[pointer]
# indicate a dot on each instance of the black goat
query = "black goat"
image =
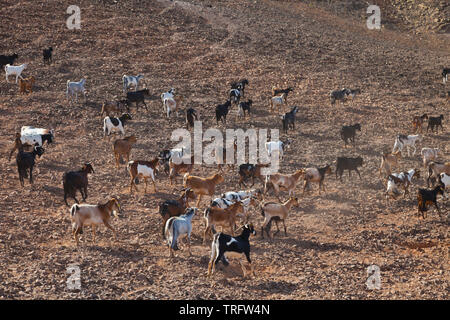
(25, 161)
(435, 122)
(137, 97)
(222, 111)
(77, 180)
(349, 132)
(339, 95)
(191, 116)
(4, 60)
(349, 164)
(225, 243)
(428, 197)
(288, 120)
(47, 54)
(243, 107)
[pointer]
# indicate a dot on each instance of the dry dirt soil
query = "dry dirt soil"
(199, 47)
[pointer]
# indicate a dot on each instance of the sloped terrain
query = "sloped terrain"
(199, 47)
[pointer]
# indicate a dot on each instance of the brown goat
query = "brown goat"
(202, 186)
(215, 216)
(26, 84)
(173, 208)
(122, 147)
(253, 171)
(316, 175)
(418, 122)
(276, 212)
(175, 169)
(17, 145)
(110, 106)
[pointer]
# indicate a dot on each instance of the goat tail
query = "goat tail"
(74, 209)
(168, 233)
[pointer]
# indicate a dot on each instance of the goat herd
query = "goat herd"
(225, 210)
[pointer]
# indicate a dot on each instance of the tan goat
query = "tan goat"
(93, 215)
(202, 186)
(316, 175)
(389, 161)
(122, 147)
(276, 212)
(286, 181)
(176, 169)
(215, 216)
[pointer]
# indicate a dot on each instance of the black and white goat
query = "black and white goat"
(223, 243)
(240, 85)
(112, 124)
(36, 136)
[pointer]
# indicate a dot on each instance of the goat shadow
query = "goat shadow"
(316, 246)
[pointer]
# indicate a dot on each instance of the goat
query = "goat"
(404, 179)
(276, 212)
(224, 203)
(26, 85)
(239, 245)
(349, 133)
(4, 60)
(175, 169)
(253, 171)
(112, 124)
(288, 120)
(129, 81)
(409, 141)
(277, 101)
(93, 215)
(241, 195)
(222, 111)
(418, 122)
(316, 175)
(276, 91)
(244, 107)
(240, 85)
(435, 169)
(47, 55)
(14, 70)
(110, 106)
(25, 161)
(177, 227)
(168, 94)
(277, 146)
(123, 147)
(77, 180)
(445, 179)
(174, 208)
(141, 168)
(286, 181)
(235, 96)
(191, 116)
(429, 154)
(223, 243)
(445, 73)
(170, 105)
(75, 87)
(344, 163)
(340, 95)
(32, 136)
(137, 97)
(388, 161)
(435, 122)
(202, 186)
(428, 197)
(215, 216)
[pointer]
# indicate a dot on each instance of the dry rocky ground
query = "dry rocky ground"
(199, 47)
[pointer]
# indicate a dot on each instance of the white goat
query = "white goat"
(129, 81)
(74, 88)
(429, 154)
(170, 105)
(14, 70)
(278, 146)
(168, 94)
(409, 141)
